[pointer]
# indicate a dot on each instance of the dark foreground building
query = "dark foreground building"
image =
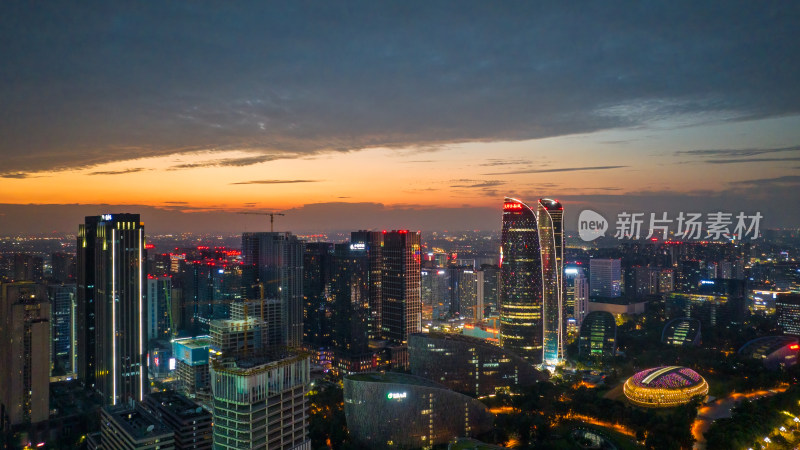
(190, 423)
(404, 411)
(468, 365)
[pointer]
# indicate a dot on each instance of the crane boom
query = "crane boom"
(270, 214)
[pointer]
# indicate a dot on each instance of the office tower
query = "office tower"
(28, 267)
(189, 422)
(689, 275)
(550, 215)
(123, 427)
(605, 278)
(666, 281)
(520, 282)
(435, 292)
(267, 313)
(24, 354)
(491, 288)
(371, 243)
(581, 298)
(192, 356)
(63, 267)
(787, 310)
(271, 411)
(159, 307)
(645, 281)
(466, 292)
(349, 291)
(278, 262)
(62, 325)
(401, 305)
(317, 260)
(112, 312)
(598, 336)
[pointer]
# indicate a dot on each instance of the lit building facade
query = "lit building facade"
(370, 244)
(787, 310)
(598, 336)
(467, 364)
(386, 410)
(24, 354)
(401, 309)
(112, 312)
(159, 307)
(520, 282)
(775, 352)
(62, 327)
(550, 223)
(681, 331)
(260, 402)
(665, 387)
(192, 365)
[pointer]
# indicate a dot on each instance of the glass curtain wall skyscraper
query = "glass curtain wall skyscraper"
(401, 312)
(112, 314)
(550, 215)
(276, 259)
(521, 328)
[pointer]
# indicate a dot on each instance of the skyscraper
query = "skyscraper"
(260, 402)
(159, 307)
(521, 328)
(401, 303)
(277, 259)
(24, 354)
(112, 314)
(605, 278)
(550, 215)
(62, 321)
(371, 243)
(349, 292)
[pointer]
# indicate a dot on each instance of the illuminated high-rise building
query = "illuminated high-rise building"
(112, 312)
(401, 310)
(277, 260)
(520, 282)
(371, 243)
(550, 215)
(62, 328)
(605, 278)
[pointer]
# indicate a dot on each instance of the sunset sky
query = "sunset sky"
(405, 114)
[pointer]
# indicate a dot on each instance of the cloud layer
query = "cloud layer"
(118, 80)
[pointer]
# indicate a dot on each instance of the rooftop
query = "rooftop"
(394, 377)
(178, 405)
(137, 422)
(764, 346)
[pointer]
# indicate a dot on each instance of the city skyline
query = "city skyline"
(383, 111)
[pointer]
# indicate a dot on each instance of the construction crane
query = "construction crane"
(270, 214)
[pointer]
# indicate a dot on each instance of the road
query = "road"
(720, 409)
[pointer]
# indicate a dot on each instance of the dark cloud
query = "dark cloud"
(231, 162)
(738, 152)
(776, 181)
(124, 80)
(749, 160)
(492, 162)
(117, 172)
(277, 181)
(15, 175)
(477, 183)
(563, 169)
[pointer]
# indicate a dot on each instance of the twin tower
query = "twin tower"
(532, 319)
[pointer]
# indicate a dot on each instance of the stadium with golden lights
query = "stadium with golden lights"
(664, 387)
